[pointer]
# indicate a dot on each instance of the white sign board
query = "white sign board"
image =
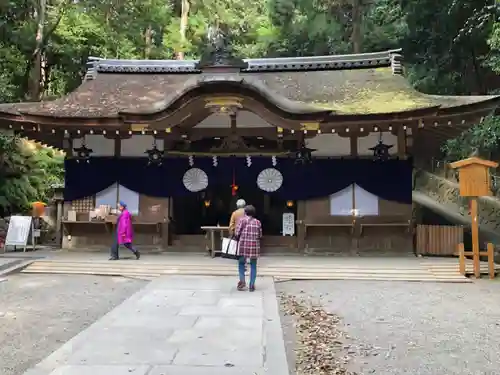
(19, 231)
(288, 224)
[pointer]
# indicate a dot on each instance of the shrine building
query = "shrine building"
(321, 146)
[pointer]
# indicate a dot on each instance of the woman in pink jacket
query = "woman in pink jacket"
(124, 233)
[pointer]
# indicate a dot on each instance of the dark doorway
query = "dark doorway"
(214, 207)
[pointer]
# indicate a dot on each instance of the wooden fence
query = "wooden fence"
(439, 239)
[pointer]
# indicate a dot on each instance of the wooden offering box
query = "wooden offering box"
(474, 176)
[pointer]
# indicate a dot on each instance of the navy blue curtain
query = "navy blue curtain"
(82, 179)
(389, 180)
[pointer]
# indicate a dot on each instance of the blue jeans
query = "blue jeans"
(253, 270)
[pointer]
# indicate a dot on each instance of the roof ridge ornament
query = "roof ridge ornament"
(397, 63)
(92, 63)
(218, 53)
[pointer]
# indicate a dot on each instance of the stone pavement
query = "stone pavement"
(180, 325)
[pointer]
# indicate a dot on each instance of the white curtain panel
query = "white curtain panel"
(107, 197)
(341, 202)
(366, 202)
(130, 198)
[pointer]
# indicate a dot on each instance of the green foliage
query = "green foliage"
(483, 139)
(27, 173)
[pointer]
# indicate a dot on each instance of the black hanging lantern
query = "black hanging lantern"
(493, 184)
(303, 155)
(381, 150)
(82, 153)
(155, 156)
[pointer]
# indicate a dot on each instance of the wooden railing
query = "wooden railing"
(438, 239)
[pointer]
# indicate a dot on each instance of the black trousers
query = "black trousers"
(115, 248)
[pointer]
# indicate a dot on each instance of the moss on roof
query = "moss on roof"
(364, 91)
(356, 91)
(372, 102)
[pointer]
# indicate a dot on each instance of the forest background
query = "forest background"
(450, 47)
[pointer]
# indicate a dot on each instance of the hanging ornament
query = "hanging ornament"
(381, 150)
(270, 179)
(274, 161)
(215, 162)
(249, 161)
(82, 152)
(234, 187)
(191, 160)
(195, 179)
(155, 156)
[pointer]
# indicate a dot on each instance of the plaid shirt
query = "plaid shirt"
(249, 232)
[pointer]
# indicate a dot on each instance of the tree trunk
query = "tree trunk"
(477, 73)
(357, 20)
(184, 24)
(44, 69)
(36, 69)
(148, 41)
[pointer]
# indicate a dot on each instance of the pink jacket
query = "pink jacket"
(124, 228)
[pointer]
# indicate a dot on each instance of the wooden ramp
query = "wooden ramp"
(281, 268)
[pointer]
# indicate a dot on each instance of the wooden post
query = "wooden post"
(475, 237)
(474, 181)
(301, 228)
(461, 258)
(354, 145)
(491, 260)
(59, 219)
(401, 134)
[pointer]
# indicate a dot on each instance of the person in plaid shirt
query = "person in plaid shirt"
(248, 232)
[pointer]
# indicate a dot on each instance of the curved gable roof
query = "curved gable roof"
(362, 84)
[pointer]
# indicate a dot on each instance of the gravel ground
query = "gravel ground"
(409, 328)
(38, 313)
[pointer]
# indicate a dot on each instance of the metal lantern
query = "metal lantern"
(83, 153)
(381, 150)
(303, 155)
(155, 156)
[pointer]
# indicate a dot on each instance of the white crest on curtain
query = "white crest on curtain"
(195, 179)
(270, 179)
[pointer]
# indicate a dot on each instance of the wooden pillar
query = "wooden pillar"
(475, 237)
(301, 228)
(117, 154)
(354, 240)
(118, 147)
(68, 146)
(165, 227)
(401, 142)
(354, 145)
(59, 217)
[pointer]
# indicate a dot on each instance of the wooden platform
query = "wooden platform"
(281, 268)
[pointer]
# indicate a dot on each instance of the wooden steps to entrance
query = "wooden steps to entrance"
(328, 270)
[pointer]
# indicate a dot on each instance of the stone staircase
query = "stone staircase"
(281, 268)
